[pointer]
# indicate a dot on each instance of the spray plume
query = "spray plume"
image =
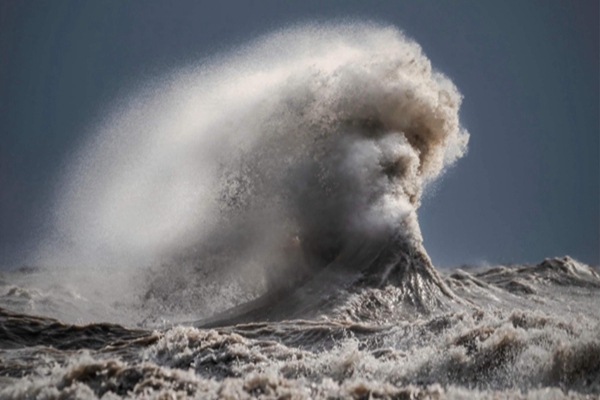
(260, 168)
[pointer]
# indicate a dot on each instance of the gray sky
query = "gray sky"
(529, 71)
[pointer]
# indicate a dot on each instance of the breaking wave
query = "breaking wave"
(255, 219)
(308, 149)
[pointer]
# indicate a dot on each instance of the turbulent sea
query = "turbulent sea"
(247, 227)
(522, 331)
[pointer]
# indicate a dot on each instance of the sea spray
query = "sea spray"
(259, 168)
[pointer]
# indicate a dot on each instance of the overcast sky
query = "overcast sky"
(528, 70)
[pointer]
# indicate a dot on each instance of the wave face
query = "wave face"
(259, 168)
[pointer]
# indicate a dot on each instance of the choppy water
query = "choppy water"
(530, 331)
(249, 228)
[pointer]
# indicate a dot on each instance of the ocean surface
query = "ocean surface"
(247, 227)
(519, 331)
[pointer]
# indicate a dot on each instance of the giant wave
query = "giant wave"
(307, 150)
